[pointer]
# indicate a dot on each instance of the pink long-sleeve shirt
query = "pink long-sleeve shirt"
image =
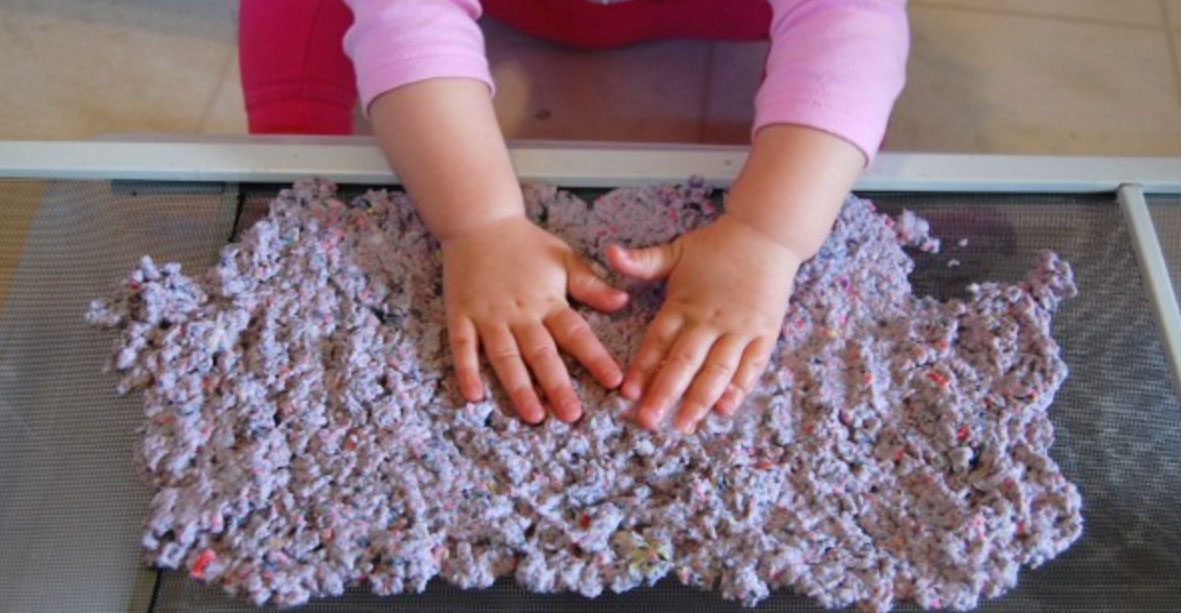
(833, 65)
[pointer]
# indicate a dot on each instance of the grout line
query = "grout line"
(1174, 50)
(1028, 14)
(706, 92)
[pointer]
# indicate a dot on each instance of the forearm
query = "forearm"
(793, 184)
(834, 65)
(441, 137)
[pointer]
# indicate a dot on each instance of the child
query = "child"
(832, 74)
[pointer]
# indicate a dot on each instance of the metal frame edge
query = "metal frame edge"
(1156, 273)
(358, 160)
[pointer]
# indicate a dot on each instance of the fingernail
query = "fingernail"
(469, 388)
(630, 389)
(730, 400)
(614, 378)
(529, 411)
(645, 418)
(473, 387)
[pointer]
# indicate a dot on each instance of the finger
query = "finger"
(715, 374)
(750, 368)
(731, 399)
(683, 361)
(465, 346)
(648, 263)
(590, 289)
(502, 351)
(575, 337)
(657, 339)
(537, 346)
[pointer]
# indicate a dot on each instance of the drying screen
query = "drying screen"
(71, 501)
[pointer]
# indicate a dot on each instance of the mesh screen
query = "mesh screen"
(70, 502)
(70, 498)
(1166, 219)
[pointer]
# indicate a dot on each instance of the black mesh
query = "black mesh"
(1116, 417)
(71, 501)
(71, 505)
(1166, 219)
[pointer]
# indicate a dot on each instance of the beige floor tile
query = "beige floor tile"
(1175, 42)
(1128, 12)
(74, 69)
(209, 19)
(996, 83)
(227, 113)
(736, 70)
(650, 92)
(1173, 10)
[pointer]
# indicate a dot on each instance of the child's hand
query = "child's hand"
(505, 285)
(728, 288)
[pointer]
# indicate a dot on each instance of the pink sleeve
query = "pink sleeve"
(835, 65)
(395, 42)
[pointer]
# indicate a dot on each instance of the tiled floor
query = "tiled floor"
(1006, 76)
(1002, 82)
(1030, 76)
(76, 68)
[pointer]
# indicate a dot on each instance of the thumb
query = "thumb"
(648, 263)
(590, 289)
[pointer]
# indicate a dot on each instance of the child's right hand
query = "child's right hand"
(505, 285)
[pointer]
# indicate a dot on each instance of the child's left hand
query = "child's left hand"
(728, 289)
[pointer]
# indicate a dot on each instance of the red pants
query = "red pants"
(297, 79)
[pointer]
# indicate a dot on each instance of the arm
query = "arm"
(833, 72)
(836, 66)
(394, 43)
(505, 280)
(793, 184)
(442, 138)
(424, 81)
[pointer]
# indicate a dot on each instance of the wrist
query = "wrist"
(485, 223)
(793, 184)
(453, 229)
(790, 254)
(797, 250)
(441, 137)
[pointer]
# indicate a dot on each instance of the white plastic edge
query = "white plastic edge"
(1156, 273)
(357, 160)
